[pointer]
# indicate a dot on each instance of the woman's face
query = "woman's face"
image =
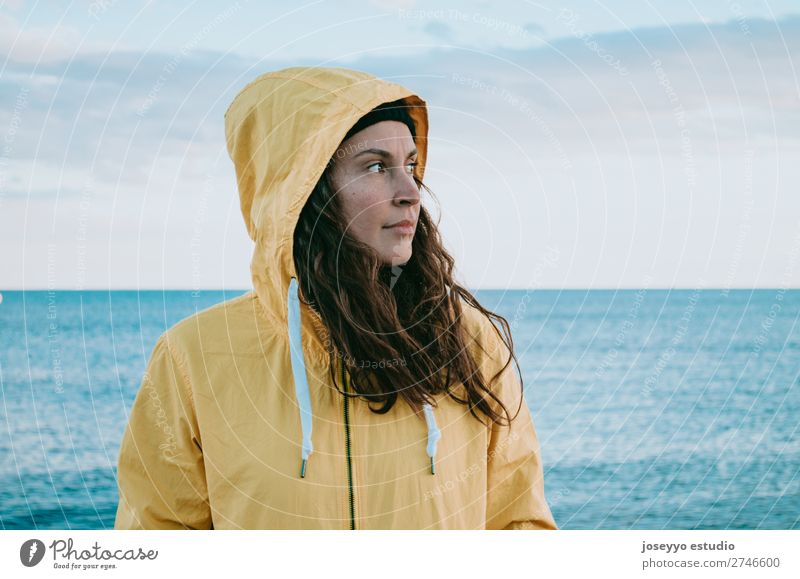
(372, 175)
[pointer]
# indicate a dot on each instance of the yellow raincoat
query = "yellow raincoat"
(237, 399)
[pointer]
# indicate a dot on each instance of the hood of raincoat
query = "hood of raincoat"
(281, 131)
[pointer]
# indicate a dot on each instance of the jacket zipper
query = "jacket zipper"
(349, 458)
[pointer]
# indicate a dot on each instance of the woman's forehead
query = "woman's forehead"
(392, 137)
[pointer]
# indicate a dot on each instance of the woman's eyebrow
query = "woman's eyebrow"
(382, 153)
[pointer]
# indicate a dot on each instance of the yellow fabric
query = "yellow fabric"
(214, 435)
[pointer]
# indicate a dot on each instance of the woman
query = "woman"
(358, 386)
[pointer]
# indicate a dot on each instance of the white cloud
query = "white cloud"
(36, 44)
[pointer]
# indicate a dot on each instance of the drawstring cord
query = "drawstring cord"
(304, 395)
(434, 434)
(299, 371)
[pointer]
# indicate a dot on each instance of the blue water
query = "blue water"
(655, 409)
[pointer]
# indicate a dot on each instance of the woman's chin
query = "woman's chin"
(396, 259)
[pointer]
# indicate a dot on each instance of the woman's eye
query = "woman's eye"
(380, 165)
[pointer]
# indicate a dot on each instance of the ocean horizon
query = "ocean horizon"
(655, 408)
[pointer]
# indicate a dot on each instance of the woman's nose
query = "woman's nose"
(407, 190)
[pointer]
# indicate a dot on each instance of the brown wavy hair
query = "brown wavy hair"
(398, 330)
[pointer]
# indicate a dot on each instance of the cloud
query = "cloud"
(34, 44)
(533, 28)
(438, 30)
(15, 5)
(101, 116)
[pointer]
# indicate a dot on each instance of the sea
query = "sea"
(655, 408)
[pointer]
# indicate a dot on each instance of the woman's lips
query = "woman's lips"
(402, 227)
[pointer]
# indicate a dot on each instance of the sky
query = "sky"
(572, 144)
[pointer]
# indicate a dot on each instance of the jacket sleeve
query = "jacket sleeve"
(515, 480)
(160, 472)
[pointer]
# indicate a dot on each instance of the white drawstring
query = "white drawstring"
(299, 372)
(434, 434)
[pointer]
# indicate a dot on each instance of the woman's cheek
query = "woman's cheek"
(370, 210)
